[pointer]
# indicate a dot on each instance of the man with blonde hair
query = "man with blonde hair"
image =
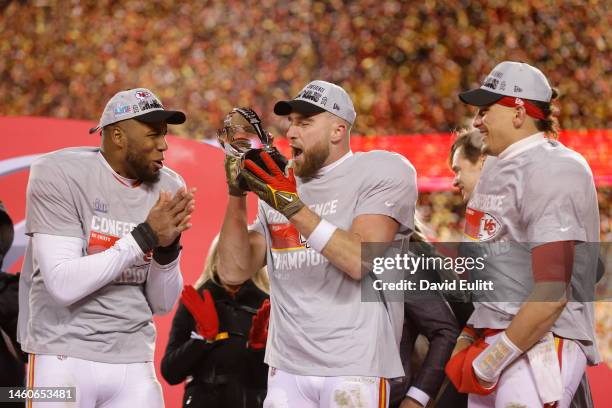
(326, 347)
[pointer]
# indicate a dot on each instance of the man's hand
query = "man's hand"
(203, 312)
(169, 217)
(461, 345)
(276, 189)
(410, 403)
(232, 168)
(483, 383)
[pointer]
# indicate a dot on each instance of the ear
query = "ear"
(339, 131)
(118, 137)
(519, 117)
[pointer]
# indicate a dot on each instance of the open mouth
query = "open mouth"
(296, 152)
(158, 164)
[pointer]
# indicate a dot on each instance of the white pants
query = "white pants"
(98, 385)
(290, 390)
(516, 387)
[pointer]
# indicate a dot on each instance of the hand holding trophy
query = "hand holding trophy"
(244, 138)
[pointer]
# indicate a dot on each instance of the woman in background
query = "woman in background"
(217, 341)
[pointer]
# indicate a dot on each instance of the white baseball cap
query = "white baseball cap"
(515, 79)
(319, 96)
(140, 104)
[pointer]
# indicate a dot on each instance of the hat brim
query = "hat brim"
(479, 97)
(284, 108)
(167, 116)
(157, 116)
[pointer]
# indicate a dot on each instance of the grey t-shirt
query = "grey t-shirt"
(540, 192)
(74, 193)
(319, 325)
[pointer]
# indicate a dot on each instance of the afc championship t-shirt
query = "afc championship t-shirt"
(537, 191)
(75, 193)
(318, 324)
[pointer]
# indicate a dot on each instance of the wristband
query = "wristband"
(468, 333)
(321, 235)
(145, 237)
(165, 255)
(495, 358)
(418, 395)
(467, 337)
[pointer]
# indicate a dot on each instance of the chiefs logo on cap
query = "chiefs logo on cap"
(142, 94)
(480, 225)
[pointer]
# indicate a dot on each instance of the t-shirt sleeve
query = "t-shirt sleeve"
(181, 182)
(50, 204)
(555, 203)
(389, 189)
(257, 224)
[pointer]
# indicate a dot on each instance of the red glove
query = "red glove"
(203, 311)
(259, 328)
(461, 373)
(273, 187)
(454, 368)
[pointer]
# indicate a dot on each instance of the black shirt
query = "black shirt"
(225, 373)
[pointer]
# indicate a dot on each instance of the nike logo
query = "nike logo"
(288, 198)
(564, 229)
(389, 203)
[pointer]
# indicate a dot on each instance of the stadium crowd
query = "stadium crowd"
(403, 62)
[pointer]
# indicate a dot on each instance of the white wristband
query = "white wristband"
(321, 235)
(418, 395)
(495, 358)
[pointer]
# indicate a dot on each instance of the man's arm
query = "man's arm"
(434, 320)
(394, 184)
(241, 252)
(343, 250)
(62, 264)
(164, 285)
(61, 261)
(552, 265)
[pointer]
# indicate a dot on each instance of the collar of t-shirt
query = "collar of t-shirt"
(522, 145)
(123, 180)
(326, 169)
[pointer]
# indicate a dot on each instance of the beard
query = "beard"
(312, 161)
(141, 167)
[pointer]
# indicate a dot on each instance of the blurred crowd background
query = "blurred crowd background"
(403, 62)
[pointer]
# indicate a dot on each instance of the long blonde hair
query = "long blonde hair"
(260, 279)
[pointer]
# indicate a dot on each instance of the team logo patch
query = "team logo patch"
(99, 242)
(100, 206)
(147, 104)
(284, 236)
(480, 225)
(142, 94)
(122, 110)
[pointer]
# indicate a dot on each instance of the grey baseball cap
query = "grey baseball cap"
(319, 96)
(140, 104)
(515, 79)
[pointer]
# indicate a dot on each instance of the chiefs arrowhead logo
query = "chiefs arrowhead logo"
(480, 225)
